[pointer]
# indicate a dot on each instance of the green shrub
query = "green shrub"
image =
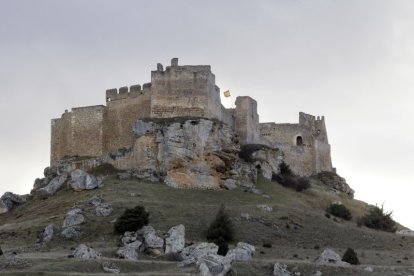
(378, 219)
(340, 211)
(284, 169)
(350, 256)
(267, 244)
(221, 231)
(290, 181)
(131, 220)
(104, 169)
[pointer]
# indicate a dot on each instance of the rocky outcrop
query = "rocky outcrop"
(44, 236)
(103, 210)
(336, 182)
(71, 233)
(405, 232)
(175, 240)
(9, 200)
(81, 180)
(85, 252)
(329, 256)
(152, 241)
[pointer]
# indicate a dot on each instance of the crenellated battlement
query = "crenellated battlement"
(124, 92)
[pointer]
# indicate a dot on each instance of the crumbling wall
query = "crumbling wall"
(122, 111)
(79, 132)
(246, 120)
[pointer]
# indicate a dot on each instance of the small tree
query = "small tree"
(378, 219)
(221, 231)
(284, 169)
(132, 220)
(339, 210)
(350, 256)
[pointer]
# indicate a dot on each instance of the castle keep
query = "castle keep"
(185, 91)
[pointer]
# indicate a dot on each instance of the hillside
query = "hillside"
(297, 229)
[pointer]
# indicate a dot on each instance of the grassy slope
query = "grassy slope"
(296, 227)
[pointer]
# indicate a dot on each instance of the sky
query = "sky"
(351, 61)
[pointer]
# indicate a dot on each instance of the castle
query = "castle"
(185, 91)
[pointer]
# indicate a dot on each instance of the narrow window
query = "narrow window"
(299, 141)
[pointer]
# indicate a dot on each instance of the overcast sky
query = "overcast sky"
(352, 61)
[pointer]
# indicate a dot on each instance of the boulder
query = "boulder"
(175, 240)
(265, 207)
(213, 264)
(193, 253)
(317, 273)
(331, 179)
(245, 216)
(54, 185)
(85, 252)
(242, 252)
(83, 181)
(103, 210)
(230, 184)
(128, 237)
(71, 233)
(329, 256)
(369, 269)
(51, 172)
(110, 267)
(128, 253)
(73, 217)
(95, 200)
(47, 234)
(151, 238)
(9, 200)
(280, 270)
(41, 182)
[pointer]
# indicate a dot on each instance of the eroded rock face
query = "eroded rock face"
(336, 182)
(175, 240)
(9, 200)
(85, 252)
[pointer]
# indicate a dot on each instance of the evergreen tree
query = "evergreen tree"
(221, 231)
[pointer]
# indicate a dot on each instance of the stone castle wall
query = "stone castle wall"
(185, 91)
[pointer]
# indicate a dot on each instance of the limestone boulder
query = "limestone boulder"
(73, 217)
(153, 242)
(41, 182)
(85, 252)
(280, 270)
(47, 234)
(103, 210)
(128, 253)
(242, 252)
(329, 256)
(128, 237)
(51, 171)
(175, 239)
(265, 207)
(54, 185)
(230, 184)
(213, 264)
(111, 267)
(71, 233)
(81, 180)
(96, 200)
(8, 201)
(191, 254)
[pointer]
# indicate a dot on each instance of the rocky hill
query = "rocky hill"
(66, 227)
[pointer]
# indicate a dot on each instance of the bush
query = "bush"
(267, 245)
(221, 231)
(350, 256)
(131, 220)
(378, 219)
(297, 183)
(284, 169)
(340, 211)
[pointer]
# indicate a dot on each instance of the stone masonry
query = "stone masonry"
(185, 91)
